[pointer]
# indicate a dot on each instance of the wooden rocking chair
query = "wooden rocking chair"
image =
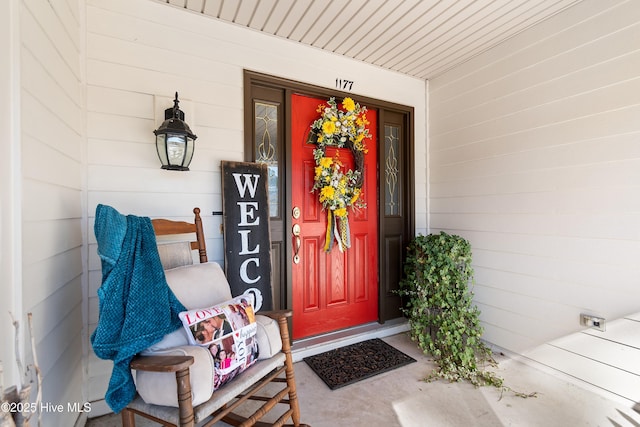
(250, 385)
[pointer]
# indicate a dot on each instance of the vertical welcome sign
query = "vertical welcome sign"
(246, 231)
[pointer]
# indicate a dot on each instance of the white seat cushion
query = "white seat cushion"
(268, 337)
(159, 388)
(220, 397)
(198, 285)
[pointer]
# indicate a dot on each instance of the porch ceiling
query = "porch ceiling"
(420, 38)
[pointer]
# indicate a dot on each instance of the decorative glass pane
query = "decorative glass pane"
(393, 177)
(266, 145)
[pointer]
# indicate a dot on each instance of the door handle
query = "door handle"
(296, 236)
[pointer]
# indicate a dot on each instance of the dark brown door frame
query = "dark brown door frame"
(253, 79)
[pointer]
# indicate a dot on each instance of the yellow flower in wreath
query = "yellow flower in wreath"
(362, 121)
(342, 185)
(328, 127)
(326, 162)
(348, 104)
(327, 193)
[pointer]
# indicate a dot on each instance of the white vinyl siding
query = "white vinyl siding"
(535, 158)
(52, 147)
(137, 58)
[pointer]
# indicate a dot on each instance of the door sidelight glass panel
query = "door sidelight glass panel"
(266, 149)
(392, 173)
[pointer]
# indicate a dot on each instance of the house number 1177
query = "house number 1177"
(344, 84)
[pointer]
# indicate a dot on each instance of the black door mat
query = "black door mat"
(356, 362)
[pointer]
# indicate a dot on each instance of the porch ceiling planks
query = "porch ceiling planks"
(420, 38)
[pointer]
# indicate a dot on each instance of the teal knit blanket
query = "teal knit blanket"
(137, 307)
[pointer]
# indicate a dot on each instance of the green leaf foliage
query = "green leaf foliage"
(438, 302)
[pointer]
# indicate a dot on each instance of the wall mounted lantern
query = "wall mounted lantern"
(174, 140)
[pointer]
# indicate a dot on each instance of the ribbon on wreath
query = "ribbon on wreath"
(338, 230)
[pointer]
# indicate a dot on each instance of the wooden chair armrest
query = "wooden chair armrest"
(179, 365)
(161, 363)
(277, 314)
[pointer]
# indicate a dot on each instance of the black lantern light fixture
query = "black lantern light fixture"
(174, 140)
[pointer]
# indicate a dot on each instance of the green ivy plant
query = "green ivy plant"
(442, 318)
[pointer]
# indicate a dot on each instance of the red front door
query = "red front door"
(331, 290)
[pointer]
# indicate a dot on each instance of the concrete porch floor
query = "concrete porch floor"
(400, 398)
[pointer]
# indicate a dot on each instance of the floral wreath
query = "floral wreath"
(339, 189)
